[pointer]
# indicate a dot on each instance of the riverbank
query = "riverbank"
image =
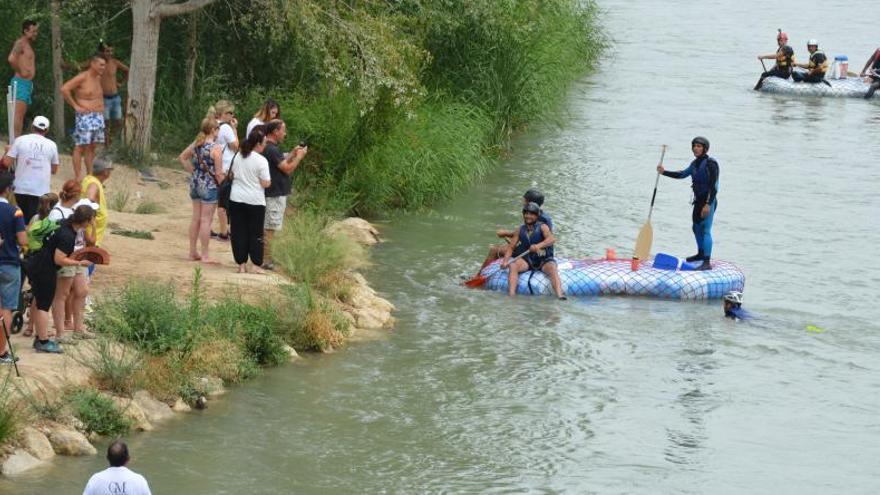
(147, 239)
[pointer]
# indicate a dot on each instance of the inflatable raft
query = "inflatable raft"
(616, 277)
(852, 87)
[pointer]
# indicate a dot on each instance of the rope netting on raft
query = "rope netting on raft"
(852, 87)
(603, 277)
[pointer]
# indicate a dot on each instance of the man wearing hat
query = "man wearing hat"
(36, 159)
(93, 190)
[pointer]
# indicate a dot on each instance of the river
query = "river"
(476, 392)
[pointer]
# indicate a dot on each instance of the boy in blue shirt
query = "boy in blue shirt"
(13, 237)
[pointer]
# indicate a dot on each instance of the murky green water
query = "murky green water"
(475, 392)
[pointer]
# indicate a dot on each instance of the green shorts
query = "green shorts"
(72, 271)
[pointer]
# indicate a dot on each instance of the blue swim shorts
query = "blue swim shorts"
(24, 89)
(88, 129)
(113, 107)
(10, 286)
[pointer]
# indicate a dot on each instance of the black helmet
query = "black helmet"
(534, 196)
(701, 140)
(532, 207)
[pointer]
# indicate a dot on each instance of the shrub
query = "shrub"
(9, 420)
(149, 208)
(254, 328)
(311, 323)
(98, 412)
(137, 234)
(119, 200)
(114, 366)
(307, 254)
(41, 402)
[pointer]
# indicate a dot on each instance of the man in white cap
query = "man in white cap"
(36, 159)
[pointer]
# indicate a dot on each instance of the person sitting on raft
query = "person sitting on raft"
(872, 76)
(530, 196)
(536, 238)
(784, 60)
(704, 174)
(816, 68)
(733, 306)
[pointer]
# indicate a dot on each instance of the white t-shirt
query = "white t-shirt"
(35, 155)
(117, 481)
(247, 173)
(226, 135)
(253, 123)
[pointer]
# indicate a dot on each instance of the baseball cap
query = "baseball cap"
(41, 123)
(102, 164)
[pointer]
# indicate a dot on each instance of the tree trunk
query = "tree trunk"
(57, 73)
(191, 54)
(142, 77)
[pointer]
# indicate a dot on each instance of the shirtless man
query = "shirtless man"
(89, 106)
(110, 86)
(21, 59)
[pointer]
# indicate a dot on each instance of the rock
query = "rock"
(155, 410)
(133, 411)
(291, 352)
(211, 386)
(19, 462)
(70, 442)
(180, 406)
(36, 443)
(368, 309)
(356, 229)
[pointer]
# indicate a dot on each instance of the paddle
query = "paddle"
(762, 64)
(646, 235)
(480, 279)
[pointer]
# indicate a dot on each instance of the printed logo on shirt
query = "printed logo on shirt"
(116, 487)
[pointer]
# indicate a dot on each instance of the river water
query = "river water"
(476, 392)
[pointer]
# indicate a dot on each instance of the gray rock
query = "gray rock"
(70, 442)
(155, 410)
(180, 406)
(36, 443)
(19, 462)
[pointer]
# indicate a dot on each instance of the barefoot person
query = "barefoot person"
(247, 201)
(85, 94)
(536, 238)
(204, 162)
(227, 138)
(21, 59)
(497, 251)
(110, 87)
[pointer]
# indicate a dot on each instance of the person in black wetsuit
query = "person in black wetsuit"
(871, 73)
(536, 238)
(784, 57)
(704, 173)
(816, 68)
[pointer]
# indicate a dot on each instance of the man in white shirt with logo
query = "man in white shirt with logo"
(117, 479)
(36, 159)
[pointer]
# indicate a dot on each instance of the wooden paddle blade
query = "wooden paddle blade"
(644, 241)
(477, 281)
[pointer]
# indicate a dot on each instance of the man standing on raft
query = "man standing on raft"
(703, 172)
(536, 238)
(784, 60)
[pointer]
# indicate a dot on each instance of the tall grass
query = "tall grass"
(114, 367)
(9, 420)
(98, 412)
(307, 254)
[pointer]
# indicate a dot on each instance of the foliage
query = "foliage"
(9, 420)
(149, 208)
(306, 253)
(41, 402)
(114, 367)
(255, 328)
(98, 412)
(137, 234)
(119, 199)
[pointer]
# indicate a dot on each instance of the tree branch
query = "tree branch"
(172, 9)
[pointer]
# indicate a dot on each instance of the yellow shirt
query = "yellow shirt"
(101, 215)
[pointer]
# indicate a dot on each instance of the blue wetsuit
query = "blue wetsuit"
(704, 174)
(738, 314)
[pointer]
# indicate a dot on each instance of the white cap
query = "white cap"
(86, 202)
(41, 123)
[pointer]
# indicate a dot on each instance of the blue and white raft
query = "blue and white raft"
(851, 87)
(616, 277)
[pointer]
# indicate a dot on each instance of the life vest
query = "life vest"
(814, 64)
(785, 58)
(527, 240)
(700, 177)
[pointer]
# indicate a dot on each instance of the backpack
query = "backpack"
(38, 232)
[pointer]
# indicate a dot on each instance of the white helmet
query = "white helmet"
(813, 42)
(734, 296)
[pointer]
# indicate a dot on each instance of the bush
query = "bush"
(307, 254)
(253, 327)
(98, 412)
(114, 366)
(311, 323)
(119, 200)
(8, 412)
(41, 402)
(136, 234)
(148, 208)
